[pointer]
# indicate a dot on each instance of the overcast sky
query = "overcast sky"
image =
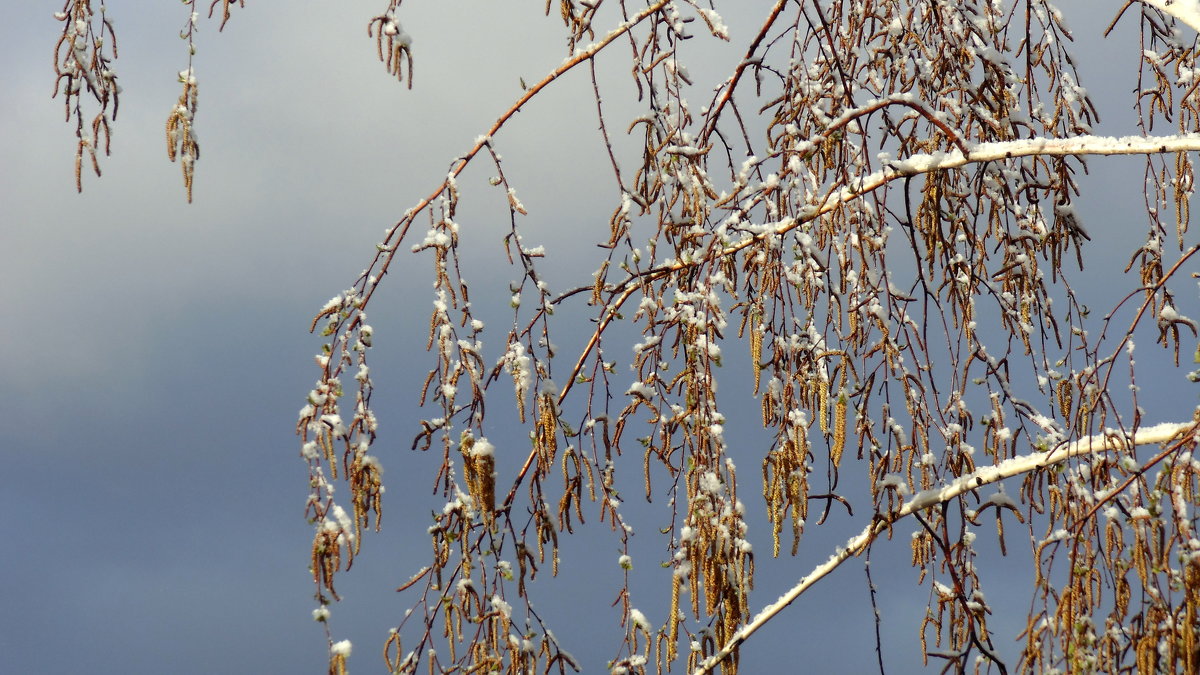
(156, 353)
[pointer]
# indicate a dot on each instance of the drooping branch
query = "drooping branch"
(797, 240)
(954, 159)
(387, 249)
(921, 164)
(1181, 433)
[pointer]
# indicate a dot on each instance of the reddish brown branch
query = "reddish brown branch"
(389, 244)
(737, 74)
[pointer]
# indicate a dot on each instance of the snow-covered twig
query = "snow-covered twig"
(954, 159)
(1055, 147)
(1187, 11)
(928, 498)
(980, 152)
(387, 248)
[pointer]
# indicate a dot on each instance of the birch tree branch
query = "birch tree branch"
(925, 499)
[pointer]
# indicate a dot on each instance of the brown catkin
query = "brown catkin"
(839, 430)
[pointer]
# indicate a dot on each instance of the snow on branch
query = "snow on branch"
(1110, 440)
(1187, 11)
(954, 159)
(1055, 147)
